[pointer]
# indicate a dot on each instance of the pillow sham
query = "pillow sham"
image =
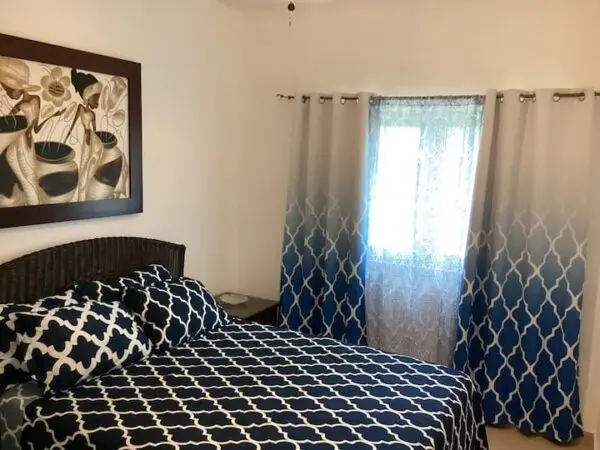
(66, 346)
(174, 311)
(11, 373)
(11, 370)
(150, 274)
(113, 289)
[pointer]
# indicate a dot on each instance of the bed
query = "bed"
(243, 386)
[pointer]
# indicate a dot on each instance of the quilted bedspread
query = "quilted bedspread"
(251, 386)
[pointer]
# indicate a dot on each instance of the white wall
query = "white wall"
(191, 74)
(221, 121)
(399, 47)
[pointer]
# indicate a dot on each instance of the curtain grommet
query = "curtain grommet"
(522, 98)
(555, 97)
(343, 101)
(321, 100)
(582, 97)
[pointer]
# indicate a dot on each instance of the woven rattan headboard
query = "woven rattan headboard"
(52, 270)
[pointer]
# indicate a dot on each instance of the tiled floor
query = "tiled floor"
(511, 439)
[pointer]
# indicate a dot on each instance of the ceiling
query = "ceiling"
(266, 4)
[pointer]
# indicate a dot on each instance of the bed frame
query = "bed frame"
(55, 269)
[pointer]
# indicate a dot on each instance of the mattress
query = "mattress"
(249, 386)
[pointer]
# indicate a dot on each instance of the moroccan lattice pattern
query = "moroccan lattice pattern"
(11, 370)
(150, 274)
(249, 386)
(113, 289)
(12, 406)
(323, 271)
(518, 334)
(174, 311)
(65, 346)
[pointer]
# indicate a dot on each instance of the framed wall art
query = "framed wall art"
(70, 134)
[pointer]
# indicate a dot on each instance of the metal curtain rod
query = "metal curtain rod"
(354, 97)
(345, 98)
(556, 96)
(306, 98)
(500, 95)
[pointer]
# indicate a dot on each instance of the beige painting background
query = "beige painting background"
(70, 143)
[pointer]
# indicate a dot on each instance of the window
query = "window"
(422, 181)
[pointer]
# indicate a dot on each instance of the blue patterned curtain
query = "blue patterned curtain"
(518, 333)
(323, 266)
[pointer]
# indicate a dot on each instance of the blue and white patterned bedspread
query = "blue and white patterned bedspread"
(250, 386)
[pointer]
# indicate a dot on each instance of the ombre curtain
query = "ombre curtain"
(323, 266)
(519, 316)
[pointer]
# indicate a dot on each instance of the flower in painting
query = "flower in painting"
(56, 87)
(118, 118)
(118, 86)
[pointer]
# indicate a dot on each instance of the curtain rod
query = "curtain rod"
(372, 97)
(321, 98)
(500, 95)
(556, 96)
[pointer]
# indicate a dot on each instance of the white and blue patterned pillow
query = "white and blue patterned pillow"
(174, 311)
(11, 370)
(113, 289)
(150, 274)
(65, 346)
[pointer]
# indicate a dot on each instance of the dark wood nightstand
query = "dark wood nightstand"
(256, 309)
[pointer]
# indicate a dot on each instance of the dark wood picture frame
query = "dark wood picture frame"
(15, 47)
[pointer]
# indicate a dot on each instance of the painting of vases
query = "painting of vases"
(65, 132)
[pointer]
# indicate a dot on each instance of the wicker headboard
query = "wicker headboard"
(52, 270)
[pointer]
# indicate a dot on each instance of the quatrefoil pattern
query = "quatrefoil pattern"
(12, 407)
(323, 269)
(11, 370)
(175, 311)
(113, 289)
(250, 386)
(150, 274)
(519, 319)
(65, 346)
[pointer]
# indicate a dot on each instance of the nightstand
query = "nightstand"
(256, 309)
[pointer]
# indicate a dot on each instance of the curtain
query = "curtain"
(419, 204)
(323, 266)
(519, 316)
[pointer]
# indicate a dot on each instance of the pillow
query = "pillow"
(150, 274)
(65, 346)
(113, 289)
(10, 366)
(11, 371)
(174, 311)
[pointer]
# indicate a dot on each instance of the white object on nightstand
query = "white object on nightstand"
(233, 299)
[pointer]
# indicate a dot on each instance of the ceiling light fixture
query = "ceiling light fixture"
(291, 8)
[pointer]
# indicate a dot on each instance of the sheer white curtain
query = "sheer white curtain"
(420, 198)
